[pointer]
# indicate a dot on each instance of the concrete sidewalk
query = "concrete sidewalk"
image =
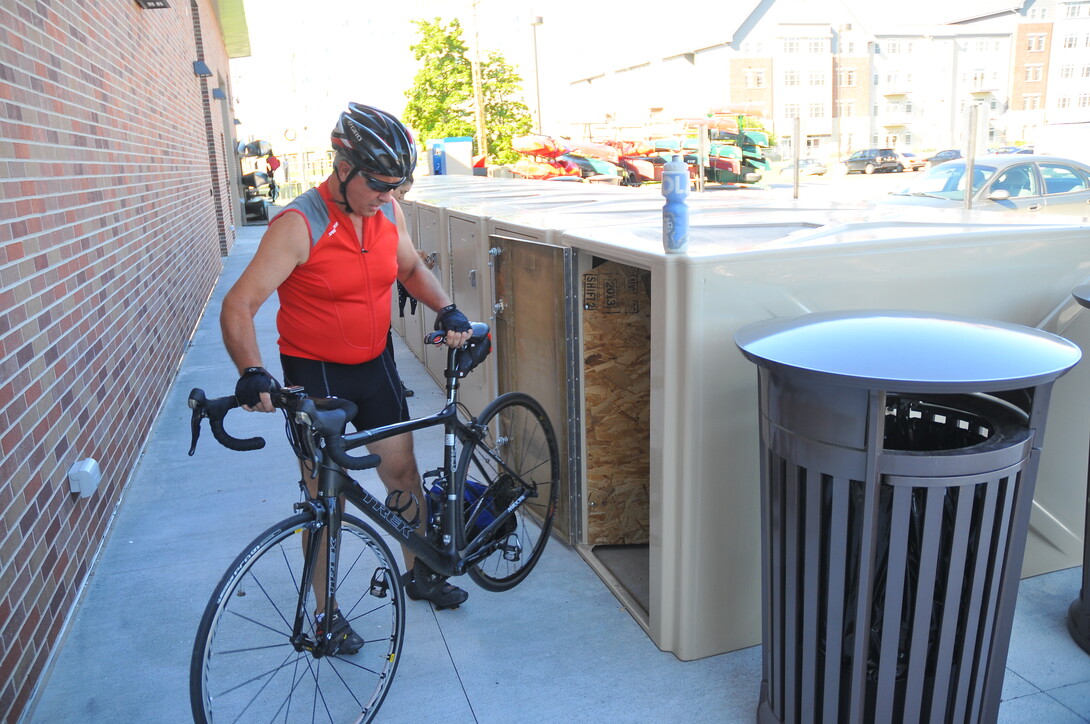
(557, 648)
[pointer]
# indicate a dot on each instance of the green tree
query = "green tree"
(441, 100)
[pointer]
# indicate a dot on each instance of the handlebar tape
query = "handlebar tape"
(329, 418)
(215, 410)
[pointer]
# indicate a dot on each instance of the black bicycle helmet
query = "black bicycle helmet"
(375, 141)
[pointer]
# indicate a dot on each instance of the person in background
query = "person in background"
(332, 256)
(271, 164)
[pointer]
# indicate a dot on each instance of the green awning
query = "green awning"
(236, 34)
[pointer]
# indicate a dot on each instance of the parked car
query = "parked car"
(910, 161)
(942, 157)
(807, 167)
(1004, 182)
(874, 159)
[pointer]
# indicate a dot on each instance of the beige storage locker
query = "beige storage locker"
(703, 559)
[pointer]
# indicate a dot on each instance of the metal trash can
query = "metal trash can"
(1078, 615)
(898, 458)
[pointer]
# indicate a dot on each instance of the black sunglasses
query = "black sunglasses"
(381, 186)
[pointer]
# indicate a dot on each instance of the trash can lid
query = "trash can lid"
(909, 351)
(1082, 295)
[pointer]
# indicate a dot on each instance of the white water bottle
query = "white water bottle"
(675, 212)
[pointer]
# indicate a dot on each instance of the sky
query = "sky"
(305, 67)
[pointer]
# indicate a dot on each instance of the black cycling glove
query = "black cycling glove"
(451, 320)
(253, 382)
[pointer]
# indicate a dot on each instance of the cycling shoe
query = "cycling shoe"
(422, 584)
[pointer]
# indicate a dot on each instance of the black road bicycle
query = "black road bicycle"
(260, 652)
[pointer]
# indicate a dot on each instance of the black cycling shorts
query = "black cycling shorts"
(373, 386)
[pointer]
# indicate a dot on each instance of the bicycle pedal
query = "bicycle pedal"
(380, 583)
(511, 551)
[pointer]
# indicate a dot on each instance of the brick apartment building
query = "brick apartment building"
(117, 199)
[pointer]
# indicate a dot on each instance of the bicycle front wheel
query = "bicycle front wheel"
(246, 666)
(516, 454)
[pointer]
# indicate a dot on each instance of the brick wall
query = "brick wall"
(739, 93)
(113, 218)
(1024, 56)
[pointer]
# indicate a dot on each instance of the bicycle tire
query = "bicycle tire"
(244, 665)
(517, 445)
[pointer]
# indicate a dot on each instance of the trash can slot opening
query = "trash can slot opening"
(937, 423)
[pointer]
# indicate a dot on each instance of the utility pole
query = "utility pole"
(478, 92)
(537, 20)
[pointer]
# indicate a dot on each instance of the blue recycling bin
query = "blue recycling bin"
(438, 153)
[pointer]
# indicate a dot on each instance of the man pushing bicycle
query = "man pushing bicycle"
(332, 256)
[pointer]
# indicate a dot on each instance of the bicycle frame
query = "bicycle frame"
(445, 557)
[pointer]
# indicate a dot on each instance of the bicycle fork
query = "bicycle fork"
(321, 557)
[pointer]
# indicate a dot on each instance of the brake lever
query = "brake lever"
(195, 429)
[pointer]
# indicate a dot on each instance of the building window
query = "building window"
(790, 45)
(908, 108)
(817, 77)
(845, 108)
(1067, 71)
(1084, 100)
(982, 46)
(791, 110)
(1063, 102)
(755, 78)
(817, 110)
(847, 78)
(893, 46)
(791, 77)
(1086, 71)
(994, 104)
(1036, 42)
(978, 79)
(1071, 41)
(1034, 73)
(1031, 102)
(849, 47)
(1075, 10)
(816, 46)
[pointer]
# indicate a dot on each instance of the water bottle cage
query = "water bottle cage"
(395, 502)
(435, 491)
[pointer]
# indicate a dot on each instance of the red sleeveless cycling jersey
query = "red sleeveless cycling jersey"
(335, 307)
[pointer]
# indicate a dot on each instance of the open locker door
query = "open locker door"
(536, 342)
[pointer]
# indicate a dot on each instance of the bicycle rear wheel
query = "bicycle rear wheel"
(245, 666)
(517, 453)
